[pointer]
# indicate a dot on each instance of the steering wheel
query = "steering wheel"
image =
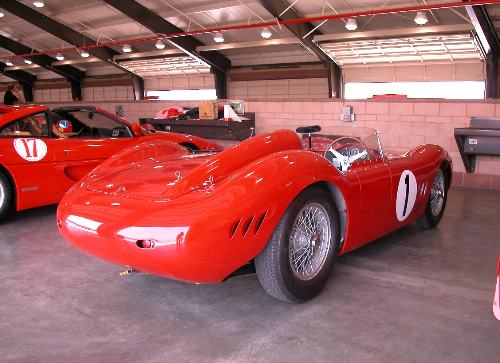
(343, 152)
(84, 131)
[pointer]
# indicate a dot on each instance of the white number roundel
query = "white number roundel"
(30, 149)
(407, 194)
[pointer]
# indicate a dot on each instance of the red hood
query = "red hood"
(164, 170)
(144, 171)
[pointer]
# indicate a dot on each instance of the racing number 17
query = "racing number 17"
(30, 147)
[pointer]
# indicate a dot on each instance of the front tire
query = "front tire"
(297, 261)
(5, 195)
(437, 201)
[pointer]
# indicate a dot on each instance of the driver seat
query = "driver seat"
(308, 130)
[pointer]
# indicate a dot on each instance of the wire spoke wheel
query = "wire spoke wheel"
(437, 193)
(299, 257)
(436, 203)
(310, 241)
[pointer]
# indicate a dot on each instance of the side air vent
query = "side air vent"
(247, 224)
(234, 227)
(259, 221)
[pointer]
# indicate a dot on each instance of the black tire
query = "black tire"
(6, 196)
(431, 218)
(274, 264)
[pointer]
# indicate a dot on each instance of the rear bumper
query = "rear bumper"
(188, 242)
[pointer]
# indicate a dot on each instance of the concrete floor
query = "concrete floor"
(411, 296)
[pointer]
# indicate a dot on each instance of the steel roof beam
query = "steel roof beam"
(484, 29)
(276, 7)
(488, 39)
(45, 61)
(155, 23)
(72, 74)
(304, 33)
(24, 78)
(63, 32)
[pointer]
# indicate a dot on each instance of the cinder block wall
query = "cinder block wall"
(403, 124)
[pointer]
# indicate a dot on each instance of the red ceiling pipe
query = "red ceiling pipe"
(269, 23)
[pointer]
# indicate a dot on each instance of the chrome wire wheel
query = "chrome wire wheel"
(437, 193)
(310, 241)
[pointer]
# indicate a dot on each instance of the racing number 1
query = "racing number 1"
(407, 182)
(406, 195)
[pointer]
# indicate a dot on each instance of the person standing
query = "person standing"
(9, 98)
(18, 93)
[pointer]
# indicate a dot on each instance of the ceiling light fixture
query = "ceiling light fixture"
(127, 48)
(9, 63)
(38, 4)
(159, 44)
(266, 33)
(421, 18)
(84, 54)
(1, 14)
(351, 24)
(218, 37)
(59, 57)
(27, 61)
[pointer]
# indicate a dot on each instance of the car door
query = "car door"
(369, 167)
(411, 180)
(366, 160)
(84, 139)
(27, 152)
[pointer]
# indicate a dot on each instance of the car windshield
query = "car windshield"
(346, 146)
(87, 124)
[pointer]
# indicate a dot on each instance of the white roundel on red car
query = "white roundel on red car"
(30, 149)
(406, 196)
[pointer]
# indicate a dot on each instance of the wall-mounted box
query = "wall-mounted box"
(481, 138)
(347, 114)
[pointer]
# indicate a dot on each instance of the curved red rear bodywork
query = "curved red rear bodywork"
(200, 217)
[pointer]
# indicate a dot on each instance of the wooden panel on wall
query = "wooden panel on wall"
(274, 74)
(107, 81)
(278, 71)
(466, 71)
(309, 88)
(180, 82)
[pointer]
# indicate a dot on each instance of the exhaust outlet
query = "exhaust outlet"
(146, 243)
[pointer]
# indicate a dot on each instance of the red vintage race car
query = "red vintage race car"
(44, 152)
(288, 204)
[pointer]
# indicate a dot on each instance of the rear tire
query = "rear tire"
(297, 261)
(437, 201)
(5, 196)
